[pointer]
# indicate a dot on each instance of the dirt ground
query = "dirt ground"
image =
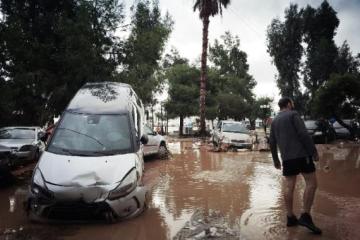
(200, 194)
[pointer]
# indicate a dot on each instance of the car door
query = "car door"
(152, 146)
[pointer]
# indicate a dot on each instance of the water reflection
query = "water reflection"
(243, 187)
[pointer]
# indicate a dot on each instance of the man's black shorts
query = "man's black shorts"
(295, 166)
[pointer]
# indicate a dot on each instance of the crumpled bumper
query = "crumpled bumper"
(45, 207)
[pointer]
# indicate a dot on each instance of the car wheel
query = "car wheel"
(162, 152)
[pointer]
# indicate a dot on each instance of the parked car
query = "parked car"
(156, 144)
(5, 159)
(342, 132)
(234, 134)
(25, 143)
(320, 131)
(93, 165)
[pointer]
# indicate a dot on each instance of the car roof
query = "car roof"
(21, 127)
(230, 121)
(104, 98)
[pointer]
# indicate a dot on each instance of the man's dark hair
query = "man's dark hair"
(283, 102)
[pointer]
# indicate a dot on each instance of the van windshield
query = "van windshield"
(91, 135)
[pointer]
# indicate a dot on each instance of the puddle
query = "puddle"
(243, 189)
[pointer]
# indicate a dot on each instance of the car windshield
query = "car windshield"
(310, 124)
(92, 135)
(235, 127)
(17, 133)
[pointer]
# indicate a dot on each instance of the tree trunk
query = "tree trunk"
(181, 125)
(203, 76)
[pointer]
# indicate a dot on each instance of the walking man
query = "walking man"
(298, 152)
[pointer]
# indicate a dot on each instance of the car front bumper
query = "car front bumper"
(50, 209)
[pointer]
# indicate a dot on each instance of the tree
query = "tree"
(233, 85)
(345, 61)
(143, 49)
(284, 46)
(206, 9)
(319, 30)
(52, 49)
(183, 91)
(339, 98)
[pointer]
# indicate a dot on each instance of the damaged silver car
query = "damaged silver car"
(93, 165)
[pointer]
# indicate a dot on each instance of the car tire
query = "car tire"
(162, 152)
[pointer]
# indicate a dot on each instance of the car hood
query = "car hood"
(16, 142)
(236, 136)
(80, 171)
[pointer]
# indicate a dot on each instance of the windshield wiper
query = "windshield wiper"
(80, 133)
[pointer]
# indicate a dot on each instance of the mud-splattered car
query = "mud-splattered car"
(233, 134)
(156, 144)
(93, 165)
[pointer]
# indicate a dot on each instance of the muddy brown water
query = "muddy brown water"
(243, 187)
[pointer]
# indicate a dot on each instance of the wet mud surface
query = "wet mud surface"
(199, 194)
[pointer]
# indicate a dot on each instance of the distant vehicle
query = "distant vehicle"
(25, 143)
(320, 131)
(156, 144)
(234, 134)
(93, 165)
(5, 158)
(342, 132)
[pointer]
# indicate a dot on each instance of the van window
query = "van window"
(92, 135)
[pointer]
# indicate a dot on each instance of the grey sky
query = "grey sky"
(249, 20)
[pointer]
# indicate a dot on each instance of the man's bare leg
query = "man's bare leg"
(308, 198)
(310, 189)
(290, 182)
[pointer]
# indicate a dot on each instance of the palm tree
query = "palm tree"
(206, 9)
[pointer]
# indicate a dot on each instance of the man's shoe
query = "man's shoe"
(291, 221)
(306, 221)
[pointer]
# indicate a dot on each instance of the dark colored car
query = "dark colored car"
(5, 156)
(321, 131)
(341, 131)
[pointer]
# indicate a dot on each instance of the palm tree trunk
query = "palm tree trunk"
(203, 76)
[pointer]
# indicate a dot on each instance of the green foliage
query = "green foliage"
(346, 62)
(319, 28)
(284, 46)
(51, 49)
(339, 97)
(231, 87)
(183, 90)
(210, 7)
(143, 49)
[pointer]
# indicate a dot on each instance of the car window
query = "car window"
(234, 127)
(17, 133)
(310, 124)
(148, 131)
(86, 134)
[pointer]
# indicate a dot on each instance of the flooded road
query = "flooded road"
(242, 190)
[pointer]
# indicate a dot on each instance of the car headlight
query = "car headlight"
(38, 185)
(225, 140)
(126, 186)
(25, 148)
(318, 133)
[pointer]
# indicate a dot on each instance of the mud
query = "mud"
(198, 194)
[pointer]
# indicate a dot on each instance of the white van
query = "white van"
(93, 165)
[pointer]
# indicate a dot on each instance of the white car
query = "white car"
(232, 133)
(156, 144)
(92, 167)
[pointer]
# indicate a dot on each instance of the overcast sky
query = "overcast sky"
(249, 20)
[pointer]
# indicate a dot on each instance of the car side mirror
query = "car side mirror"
(42, 136)
(144, 139)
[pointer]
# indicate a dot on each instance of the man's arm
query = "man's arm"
(303, 135)
(273, 147)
